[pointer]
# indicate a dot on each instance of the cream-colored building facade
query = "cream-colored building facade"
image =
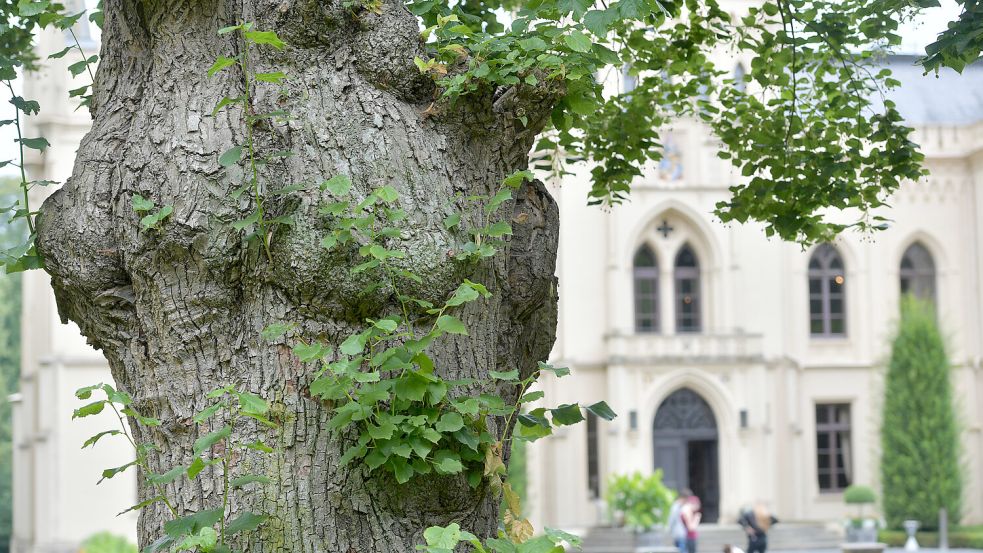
(57, 503)
(744, 382)
(747, 368)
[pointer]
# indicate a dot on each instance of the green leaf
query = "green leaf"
(497, 200)
(576, 7)
(533, 44)
(208, 412)
(265, 37)
(401, 470)
(532, 396)
(387, 325)
(381, 432)
(512, 376)
(249, 479)
(387, 194)
(375, 459)
(260, 446)
(462, 295)
(153, 220)
(452, 220)
(193, 523)
(451, 324)
(221, 63)
(567, 414)
(86, 392)
(275, 77)
(501, 228)
(109, 473)
(141, 505)
(446, 461)
(410, 388)
(35, 143)
(206, 442)
(167, 477)
(599, 21)
(450, 422)
(92, 440)
(442, 539)
(196, 467)
(276, 331)
(352, 453)
(338, 185)
(230, 157)
(141, 204)
(577, 41)
(601, 409)
(28, 8)
(78, 67)
(93, 408)
(204, 540)
(559, 372)
(354, 344)
(252, 219)
(225, 102)
(310, 352)
(246, 522)
(251, 403)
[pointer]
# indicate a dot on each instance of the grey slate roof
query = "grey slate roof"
(949, 99)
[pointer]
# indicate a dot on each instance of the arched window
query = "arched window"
(918, 273)
(827, 308)
(646, 274)
(686, 276)
(739, 74)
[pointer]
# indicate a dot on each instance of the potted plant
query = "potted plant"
(860, 528)
(642, 504)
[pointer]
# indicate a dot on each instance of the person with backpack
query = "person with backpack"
(756, 523)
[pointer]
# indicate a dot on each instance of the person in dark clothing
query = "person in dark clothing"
(756, 523)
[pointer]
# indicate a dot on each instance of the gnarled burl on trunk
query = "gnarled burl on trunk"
(178, 311)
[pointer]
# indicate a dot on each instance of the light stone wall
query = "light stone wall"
(755, 352)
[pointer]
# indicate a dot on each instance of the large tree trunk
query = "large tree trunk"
(178, 312)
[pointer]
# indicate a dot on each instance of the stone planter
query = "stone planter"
(862, 534)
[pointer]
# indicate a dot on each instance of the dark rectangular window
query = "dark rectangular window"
(834, 447)
(593, 462)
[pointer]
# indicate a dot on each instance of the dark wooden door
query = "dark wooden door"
(703, 472)
(670, 456)
(686, 450)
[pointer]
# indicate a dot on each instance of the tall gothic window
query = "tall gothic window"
(686, 273)
(593, 458)
(918, 273)
(827, 309)
(834, 455)
(646, 274)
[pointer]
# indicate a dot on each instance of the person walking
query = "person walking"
(677, 530)
(756, 523)
(691, 514)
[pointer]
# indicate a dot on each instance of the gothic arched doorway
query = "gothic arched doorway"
(685, 437)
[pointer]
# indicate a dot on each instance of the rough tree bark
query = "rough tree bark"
(178, 312)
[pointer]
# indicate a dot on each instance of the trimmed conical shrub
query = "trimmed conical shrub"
(920, 467)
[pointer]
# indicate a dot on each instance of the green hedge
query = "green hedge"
(920, 470)
(971, 538)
